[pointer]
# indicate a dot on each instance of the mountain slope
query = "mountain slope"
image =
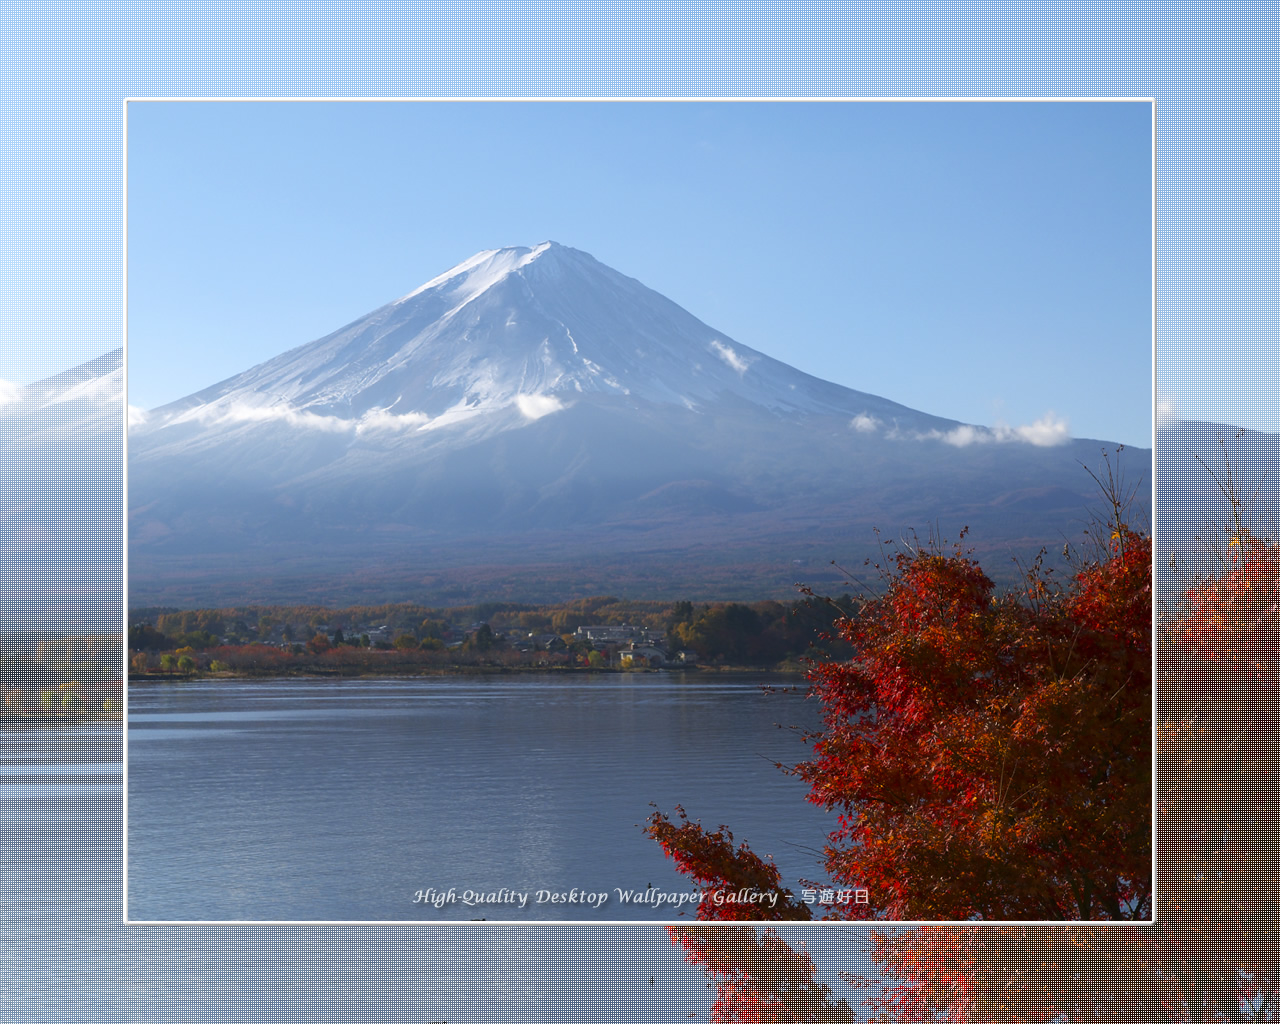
(523, 328)
(61, 461)
(534, 414)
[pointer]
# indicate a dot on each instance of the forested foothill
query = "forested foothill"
(417, 639)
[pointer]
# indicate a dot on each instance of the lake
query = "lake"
(451, 798)
(69, 959)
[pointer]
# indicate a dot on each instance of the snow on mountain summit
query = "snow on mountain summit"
(480, 271)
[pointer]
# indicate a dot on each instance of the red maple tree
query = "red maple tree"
(759, 977)
(1210, 956)
(723, 873)
(1231, 622)
(990, 755)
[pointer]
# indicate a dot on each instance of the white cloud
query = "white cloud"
(137, 416)
(864, 423)
(734, 361)
(965, 435)
(243, 412)
(1046, 432)
(380, 419)
(9, 392)
(534, 407)
(384, 419)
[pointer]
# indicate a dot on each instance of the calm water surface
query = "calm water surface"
(70, 959)
(304, 800)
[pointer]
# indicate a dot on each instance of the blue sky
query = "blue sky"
(989, 262)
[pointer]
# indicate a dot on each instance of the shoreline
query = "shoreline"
(150, 678)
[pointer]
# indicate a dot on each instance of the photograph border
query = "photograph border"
(820, 924)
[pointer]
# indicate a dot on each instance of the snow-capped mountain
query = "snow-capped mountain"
(61, 470)
(533, 405)
(505, 338)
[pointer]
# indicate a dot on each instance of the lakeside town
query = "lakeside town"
(598, 634)
(82, 678)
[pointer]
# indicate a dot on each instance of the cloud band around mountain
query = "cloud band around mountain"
(530, 406)
(1048, 431)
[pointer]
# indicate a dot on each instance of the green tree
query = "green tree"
(143, 637)
(482, 639)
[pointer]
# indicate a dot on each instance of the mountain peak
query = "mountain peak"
(479, 272)
(508, 336)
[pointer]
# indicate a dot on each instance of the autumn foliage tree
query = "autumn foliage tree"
(760, 978)
(1212, 954)
(712, 861)
(990, 756)
(1231, 622)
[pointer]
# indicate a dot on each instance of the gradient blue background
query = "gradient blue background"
(65, 70)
